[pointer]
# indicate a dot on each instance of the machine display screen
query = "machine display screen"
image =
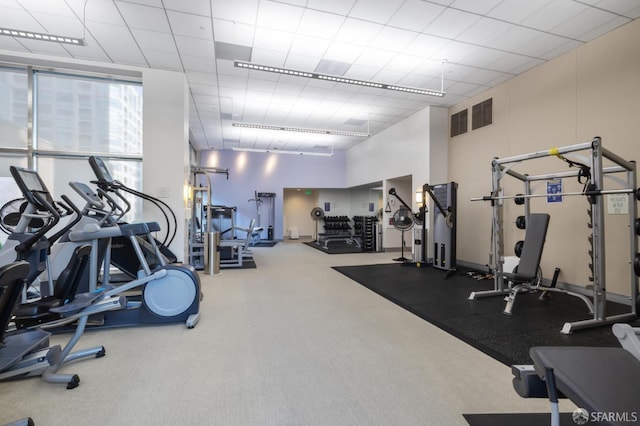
(100, 169)
(31, 180)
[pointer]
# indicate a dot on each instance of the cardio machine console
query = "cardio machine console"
(101, 171)
(30, 183)
(87, 194)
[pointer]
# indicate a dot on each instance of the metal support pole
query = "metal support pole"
(599, 277)
(633, 246)
(497, 243)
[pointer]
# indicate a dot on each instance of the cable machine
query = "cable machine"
(269, 201)
(444, 197)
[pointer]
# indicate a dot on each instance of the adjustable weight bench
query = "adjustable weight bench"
(604, 381)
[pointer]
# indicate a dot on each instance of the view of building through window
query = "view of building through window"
(74, 117)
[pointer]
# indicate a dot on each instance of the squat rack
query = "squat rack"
(594, 192)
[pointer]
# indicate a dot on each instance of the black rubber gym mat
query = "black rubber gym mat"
(520, 419)
(443, 302)
(336, 247)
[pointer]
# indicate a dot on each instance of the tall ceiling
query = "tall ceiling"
(461, 46)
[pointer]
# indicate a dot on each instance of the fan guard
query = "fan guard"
(403, 219)
(317, 213)
(11, 212)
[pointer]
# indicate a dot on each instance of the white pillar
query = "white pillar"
(166, 150)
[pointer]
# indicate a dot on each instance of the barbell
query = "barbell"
(588, 193)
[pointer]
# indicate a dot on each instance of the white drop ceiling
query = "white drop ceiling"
(475, 44)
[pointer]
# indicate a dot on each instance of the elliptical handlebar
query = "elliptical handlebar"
(73, 209)
(116, 209)
(55, 218)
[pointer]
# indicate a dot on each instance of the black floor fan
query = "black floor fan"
(317, 214)
(402, 221)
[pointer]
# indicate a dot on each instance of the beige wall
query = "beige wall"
(591, 91)
(296, 207)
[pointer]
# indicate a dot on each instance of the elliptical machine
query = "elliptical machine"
(170, 293)
(25, 354)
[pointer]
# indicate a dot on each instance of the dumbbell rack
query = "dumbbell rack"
(364, 227)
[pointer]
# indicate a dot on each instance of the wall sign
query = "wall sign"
(554, 189)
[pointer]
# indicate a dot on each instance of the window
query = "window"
(74, 116)
(13, 109)
(459, 122)
(482, 114)
(88, 115)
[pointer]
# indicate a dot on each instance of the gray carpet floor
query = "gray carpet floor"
(292, 342)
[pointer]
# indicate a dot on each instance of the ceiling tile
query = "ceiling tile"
(509, 62)
(266, 38)
(358, 32)
(553, 14)
(425, 45)
(375, 10)
(268, 57)
(516, 10)
(319, 24)
(513, 38)
(144, 17)
(233, 32)
(278, 16)
(605, 28)
(374, 57)
(484, 30)
(415, 15)
(54, 7)
(456, 51)
(194, 77)
(563, 48)
(389, 76)
(583, 23)
(393, 39)
(10, 43)
(44, 47)
(343, 52)
(113, 38)
(163, 60)
(451, 23)
(152, 3)
(104, 12)
(361, 72)
(190, 25)
(242, 11)
(483, 76)
(151, 40)
(194, 46)
(19, 20)
(60, 25)
(196, 7)
(482, 57)
(404, 63)
(200, 62)
(340, 7)
(309, 46)
(475, 6)
(90, 51)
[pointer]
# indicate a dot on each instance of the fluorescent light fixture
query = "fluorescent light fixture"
(41, 36)
(301, 130)
(282, 151)
(337, 79)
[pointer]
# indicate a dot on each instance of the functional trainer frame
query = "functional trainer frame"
(502, 167)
